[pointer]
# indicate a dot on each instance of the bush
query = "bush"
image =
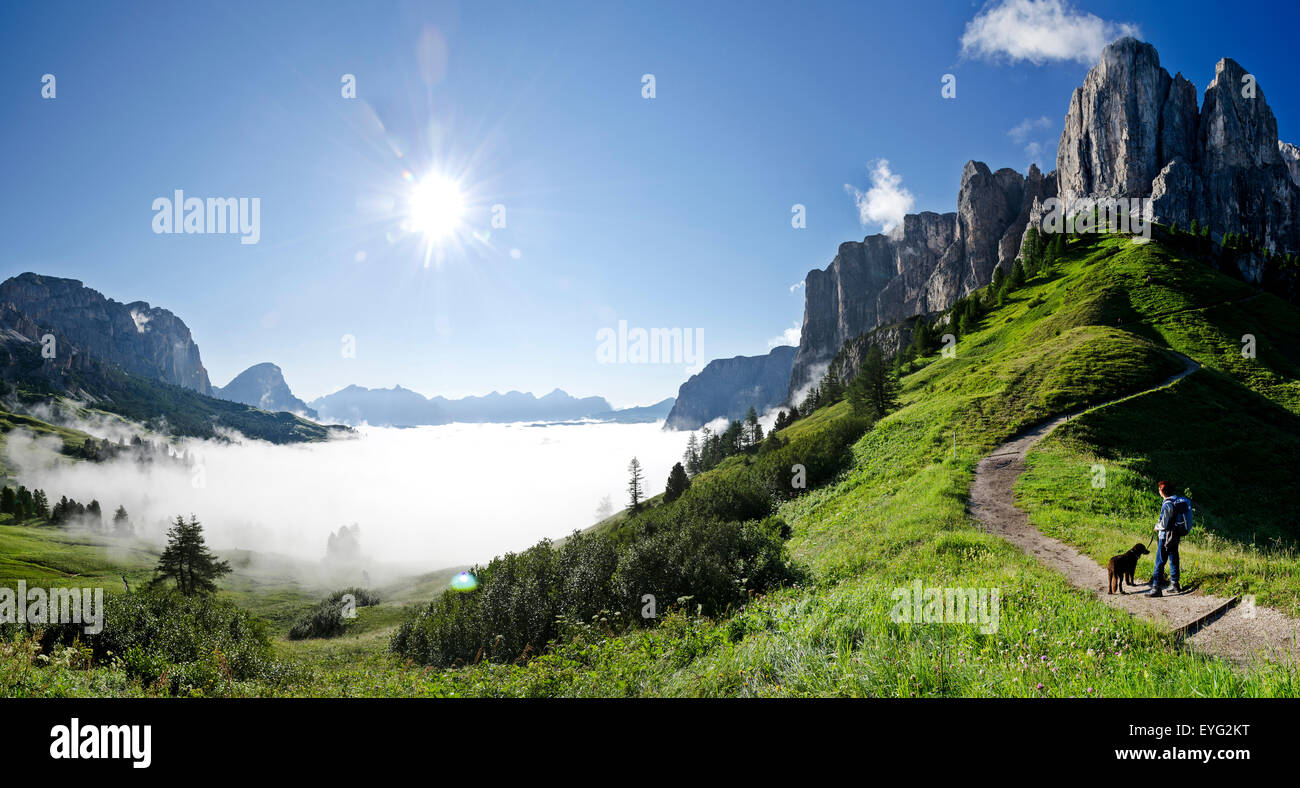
(714, 546)
(522, 598)
(326, 619)
(183, 645)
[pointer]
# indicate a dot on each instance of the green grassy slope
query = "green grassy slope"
(1089, 329)
(1062, 342)
(1228, 434)
(1068, 339)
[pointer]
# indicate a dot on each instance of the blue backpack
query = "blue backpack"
(1182, 524)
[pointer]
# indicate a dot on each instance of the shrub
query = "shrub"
(326, 619)
(715, 545)
(184, 645)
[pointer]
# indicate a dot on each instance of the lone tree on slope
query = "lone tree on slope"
(187, 560)
(634, 489)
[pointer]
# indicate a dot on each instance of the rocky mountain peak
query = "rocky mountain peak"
(1130, 130)
(1110, 145)
(144, 340)
(921, 266)
(263, 386)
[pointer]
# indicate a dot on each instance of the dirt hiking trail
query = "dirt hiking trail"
(1211, 624)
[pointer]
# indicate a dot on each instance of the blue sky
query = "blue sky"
(666, 212)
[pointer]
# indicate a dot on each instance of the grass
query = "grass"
(1229, 435)
(1089, 330)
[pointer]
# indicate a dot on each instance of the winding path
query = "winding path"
(1212, 624)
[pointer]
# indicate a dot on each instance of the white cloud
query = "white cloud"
(1028, 127)
(886, 202)
(788, 337)
(796, 285)
(1034, 134)
(426, 496)
(1039, 31)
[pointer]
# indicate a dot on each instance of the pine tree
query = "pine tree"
(1031, 249)
(874, 392)
(753, 429)
(678, 483)
(187, 561)
(42, 504)
(7, 500)
(692, 456)
(634, 484)
(922, 338)
(733, 439)
(1017, 277)
(122, 522)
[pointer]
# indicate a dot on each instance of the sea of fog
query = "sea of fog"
(427, 497)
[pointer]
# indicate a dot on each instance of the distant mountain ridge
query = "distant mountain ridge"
(263, 386)
(401, 407)
(131, 372)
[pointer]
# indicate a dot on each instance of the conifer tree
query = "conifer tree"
(634, 484)
(692, 456)
(678, 483)
(122, 522)
(874, 392)
(187, 561)
(753, 429)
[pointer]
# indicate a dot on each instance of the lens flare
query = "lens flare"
(464, 582)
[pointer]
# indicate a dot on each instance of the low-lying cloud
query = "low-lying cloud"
(428, 497)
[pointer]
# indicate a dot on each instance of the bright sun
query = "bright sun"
(437, 207)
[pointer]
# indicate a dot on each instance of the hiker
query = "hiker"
(1175, 522)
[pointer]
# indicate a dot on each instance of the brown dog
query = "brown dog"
(1120, 568)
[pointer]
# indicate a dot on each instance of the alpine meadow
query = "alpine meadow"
(591, 398)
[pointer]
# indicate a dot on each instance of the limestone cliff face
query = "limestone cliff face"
(890, 339)
(922, 266)
(1131, 130)
(729, 387)
(1112, 138)
(1291, 158)
(141, 339)
(1134, 131)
